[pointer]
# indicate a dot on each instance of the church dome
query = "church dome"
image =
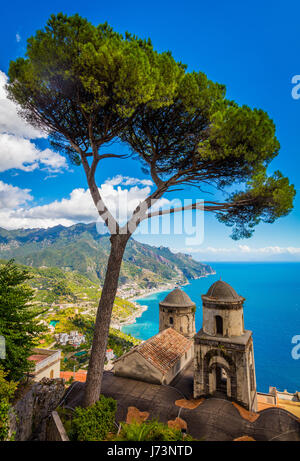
(177, 298)
(222, 291)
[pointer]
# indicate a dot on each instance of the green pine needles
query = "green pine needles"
(19, 322)
(7, 391)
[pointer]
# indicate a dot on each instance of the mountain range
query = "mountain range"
(81, 248)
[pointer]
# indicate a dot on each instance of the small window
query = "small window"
(51, 374)
(219, 325)
(171, 321)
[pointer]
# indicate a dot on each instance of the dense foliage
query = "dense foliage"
(19, 324)
(151, 430)
(95, 422)
(77, 289)
(7, 391)
(203, 139)
(117, 340)
(74, 72)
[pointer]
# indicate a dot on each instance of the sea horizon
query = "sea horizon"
(271, 312)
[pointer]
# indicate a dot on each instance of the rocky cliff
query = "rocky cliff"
(28, 416)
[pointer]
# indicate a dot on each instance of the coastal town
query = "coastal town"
(75, 344)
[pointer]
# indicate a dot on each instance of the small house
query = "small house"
(157, 360)
(46, 364)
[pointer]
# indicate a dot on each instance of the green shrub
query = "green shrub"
(150, 431)
(65, 415)
(94, 423)
(7, 392)
(4, 419)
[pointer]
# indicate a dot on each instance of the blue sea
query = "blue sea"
(271, 311)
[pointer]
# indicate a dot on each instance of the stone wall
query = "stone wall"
(233, 320)
(135, 366)
(29, 414)
(181, 319)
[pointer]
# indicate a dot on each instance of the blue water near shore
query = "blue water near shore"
(271, 311)
(53, 323)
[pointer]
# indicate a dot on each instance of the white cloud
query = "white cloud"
(245, 249)
(12, 197)
(10, 121)
(78, 207)
(20, 153)
(16, 149)
(127, 181)
(245, 253)
(273, 250)
(18, 37)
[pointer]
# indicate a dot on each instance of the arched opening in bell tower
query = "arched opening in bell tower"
(219, 325)
(219, 374)
(221, 380)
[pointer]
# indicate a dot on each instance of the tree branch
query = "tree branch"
(101, 157)
(103, 211)
(204, 206)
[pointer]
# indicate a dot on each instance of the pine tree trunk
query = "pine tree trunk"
(109, 290)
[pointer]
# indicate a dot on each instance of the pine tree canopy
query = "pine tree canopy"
(88, 85)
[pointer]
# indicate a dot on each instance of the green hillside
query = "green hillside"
(53, 286)
(80, 248)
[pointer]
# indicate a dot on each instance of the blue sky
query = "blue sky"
(251, 47)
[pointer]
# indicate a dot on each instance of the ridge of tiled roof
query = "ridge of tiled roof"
(163, 350)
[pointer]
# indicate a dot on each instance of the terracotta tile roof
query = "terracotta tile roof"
(37, 358)
(164, 349)
(80, 375)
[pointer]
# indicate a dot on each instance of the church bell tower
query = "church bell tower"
(223, 350)
(177, 311)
